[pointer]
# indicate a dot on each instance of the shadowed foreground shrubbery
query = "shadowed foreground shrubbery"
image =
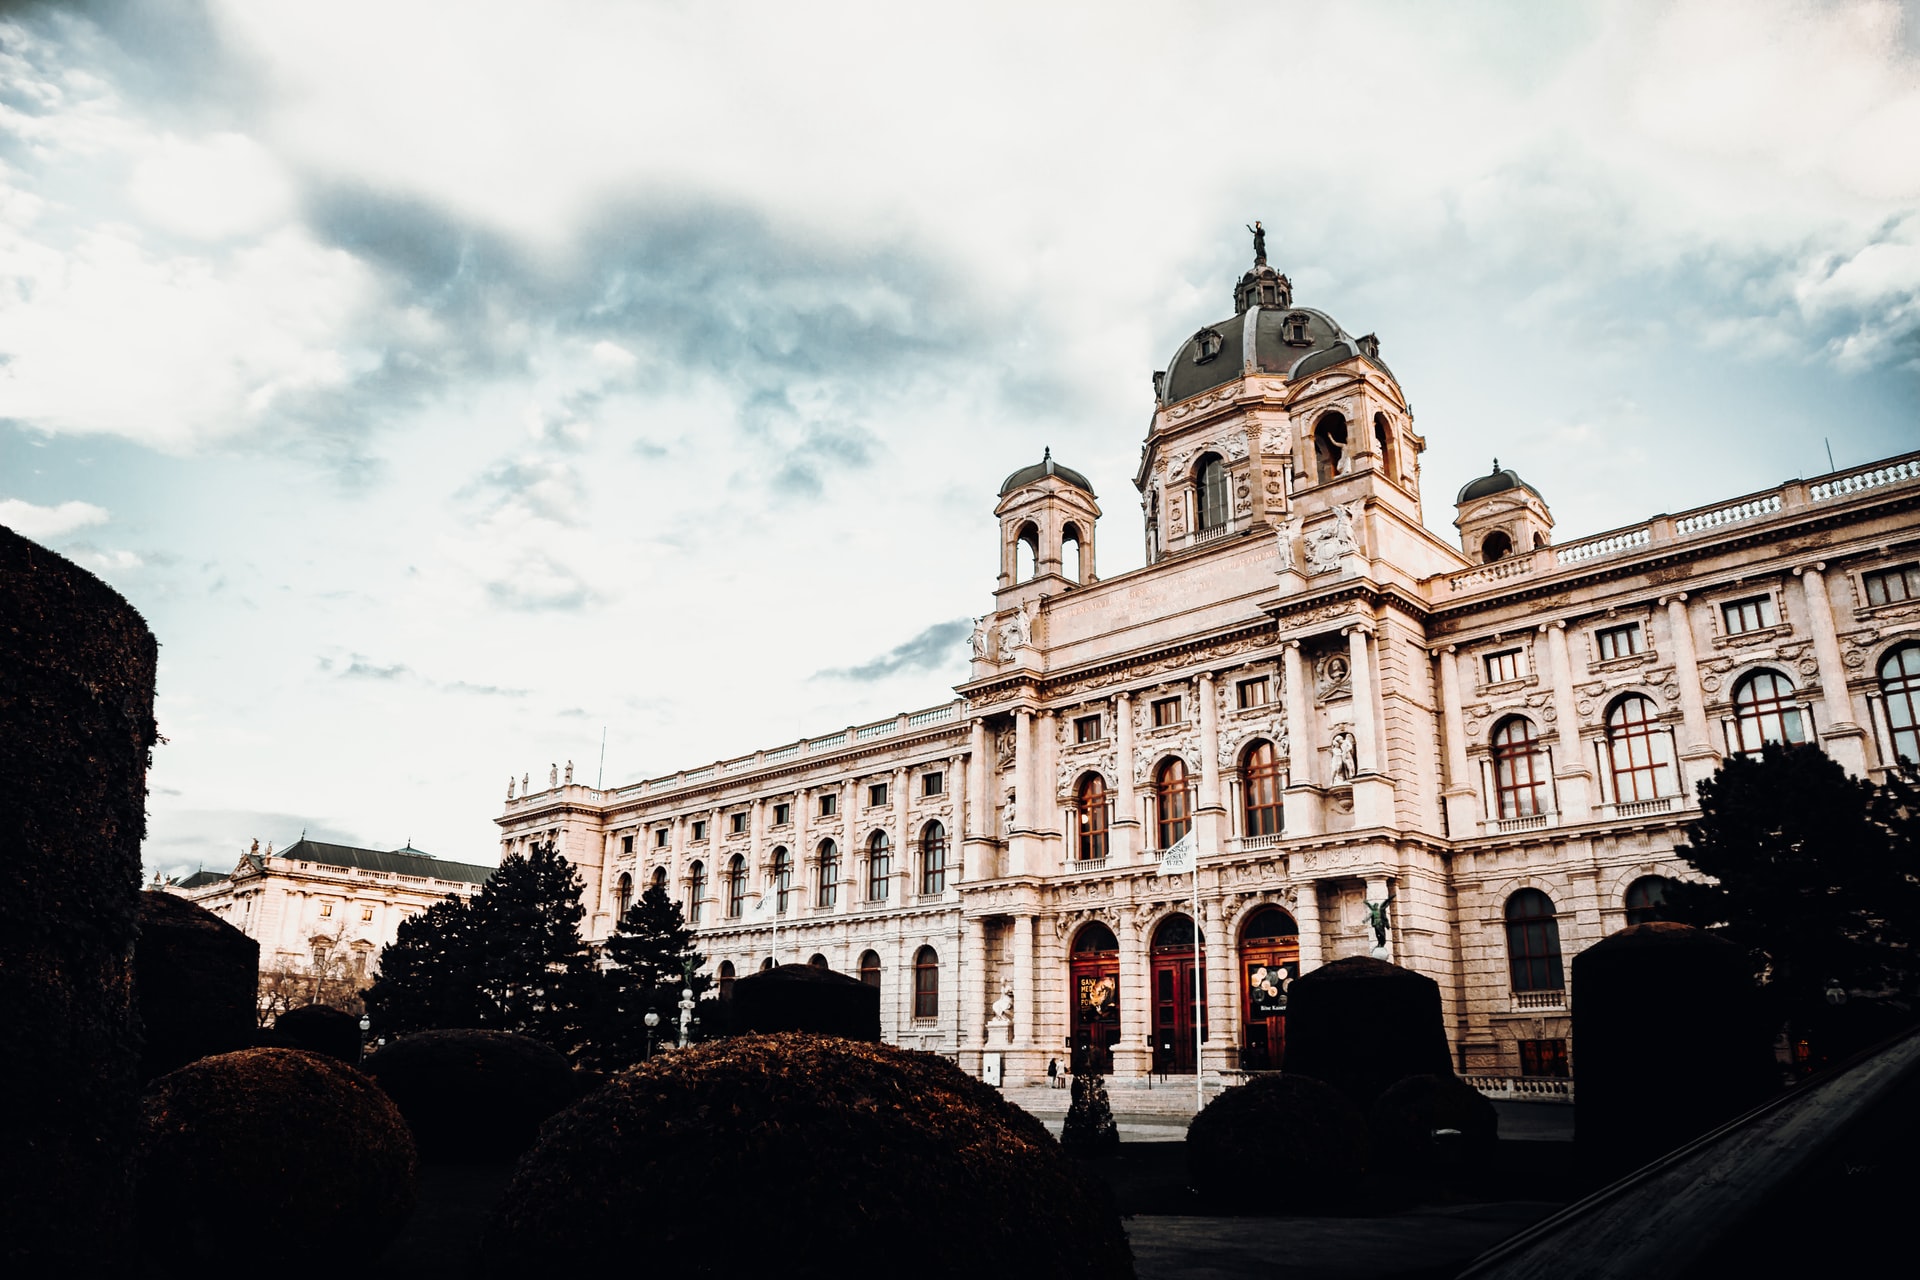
(870, 1158)
(473, 1095)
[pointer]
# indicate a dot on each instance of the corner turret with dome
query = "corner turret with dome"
(1500, 514)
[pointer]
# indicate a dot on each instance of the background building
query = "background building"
(322, 912)
(1474, 759)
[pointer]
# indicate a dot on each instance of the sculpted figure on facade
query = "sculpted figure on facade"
(509, 786)
(982, 637)
(1330, 541)
(1343, 748)
(569, 773)
(553, 776)
(1017, 631)
(526, 784)
(1283, 540)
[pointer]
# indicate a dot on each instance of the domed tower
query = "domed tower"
(1501, 515)
(1047, 515)
(1277, 418)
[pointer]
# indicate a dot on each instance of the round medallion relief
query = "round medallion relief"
(1808, 666)
(1710, 683)
(1586, 707)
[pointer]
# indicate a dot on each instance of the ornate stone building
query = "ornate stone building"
(1475, 759)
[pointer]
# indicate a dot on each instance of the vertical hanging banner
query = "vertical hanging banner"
(1180, 859)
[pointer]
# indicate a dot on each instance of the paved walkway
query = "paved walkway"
(1162, 1115)
(1424, 1242)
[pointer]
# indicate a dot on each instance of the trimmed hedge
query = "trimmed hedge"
(473, 1095)
(1089, 1129)
(318, 1028)
(801, 997)
(243, 1154)
(1361, 1024)
(871, 1159)
(1278, 1142)
(76, 726)
(1669, 1040)
(1401, 1126)
(196, 980)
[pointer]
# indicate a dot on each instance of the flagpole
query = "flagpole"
(1199, 977)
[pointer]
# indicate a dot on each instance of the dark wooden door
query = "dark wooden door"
(1178, 999)
(1267, 972)
(1096, 1011)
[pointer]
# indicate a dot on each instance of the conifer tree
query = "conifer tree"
(644, 966)
(427, 975)
(531, 965)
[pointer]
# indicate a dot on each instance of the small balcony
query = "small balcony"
(1539, 1000)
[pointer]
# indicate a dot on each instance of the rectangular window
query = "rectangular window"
(1502, 667)
(366, 913)
(660, 838)
(829, 805)
(782, 814)
(326, 908)
(1747, 615)
(700, 829)
(626, 844)
(933, 784)
(1166, 711)
(739, 823)
(1891, 586)
(1544, 1058)
(1619, 642)
(1253, 693)
(1086, 729)
(876, 795)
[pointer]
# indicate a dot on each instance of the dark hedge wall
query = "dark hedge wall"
(801, 997)
(803, 1156)
(474, 1095)
(318, 1028)
(76, 724)
(1668, 1041)
(1278, 1143)
(196, 983)
(1403, 1120)
(1360, 1024)
(270, 1158)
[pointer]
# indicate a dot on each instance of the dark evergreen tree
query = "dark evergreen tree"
(427, 973)
(1817, 879)
(644, 964)
(531, 966)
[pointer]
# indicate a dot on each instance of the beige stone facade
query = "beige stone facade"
(1442, 727)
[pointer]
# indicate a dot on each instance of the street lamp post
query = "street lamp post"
(653, 1022)
(366, 1025)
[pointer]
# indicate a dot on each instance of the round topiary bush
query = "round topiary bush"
(1360, 1024)
(76, 697)
(1251, 1148)
(473, 1095)
(805, 997)
(1090, 1130)
(867, 1159)
(318, 1028)
(1402, 1126)
(1668, 1040)
(285, 1146)
(196, 980)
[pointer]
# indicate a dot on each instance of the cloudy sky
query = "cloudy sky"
(447, 383)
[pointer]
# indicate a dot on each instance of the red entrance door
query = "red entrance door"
(1269, 962)
(1179, 996)
(1096, 999)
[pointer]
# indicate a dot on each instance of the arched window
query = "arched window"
(1764, 711)
(1072, 562)
(782, 878)
(1329, 447)
(1640, 751)
(870, 968)
(1519, 769)
(659, 878)
(1092, 812)
(736, 886)
(726, 979)
(1211, 506)
(1900, 686)
(829, 890)
(766, 964)
(1647, 899)
(1495, 546)
(1170, 801)
(696, 891)
(1533, 942)
(933, 859)
(622, 895)
(1026, 552)
(926, 983)
(1383, 445)
(1260, 790)
(818, 961)
(879, 866)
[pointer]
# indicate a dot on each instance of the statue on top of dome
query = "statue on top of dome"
(1259, 243)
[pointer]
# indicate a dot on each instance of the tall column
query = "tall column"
(1125, 836)
(1022, 980)
(975, 822)
(850, 850)
(1026, 798)
(1360, 664)
(1571, 777)
(903, 862)
(1303, 800)
(1842, 736)
(1221, 1047)
(1461, 797)
(1046, 764)
(1696, 745)
(1306, 903)
(803, 852)
(1130, 1054)
(1209, 744)
(973, 997)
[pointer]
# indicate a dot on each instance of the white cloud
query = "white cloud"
(42, 523)
(211, 188)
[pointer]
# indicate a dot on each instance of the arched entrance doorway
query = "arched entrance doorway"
(1096, 999)
(1179, 996)
(1269, 962)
